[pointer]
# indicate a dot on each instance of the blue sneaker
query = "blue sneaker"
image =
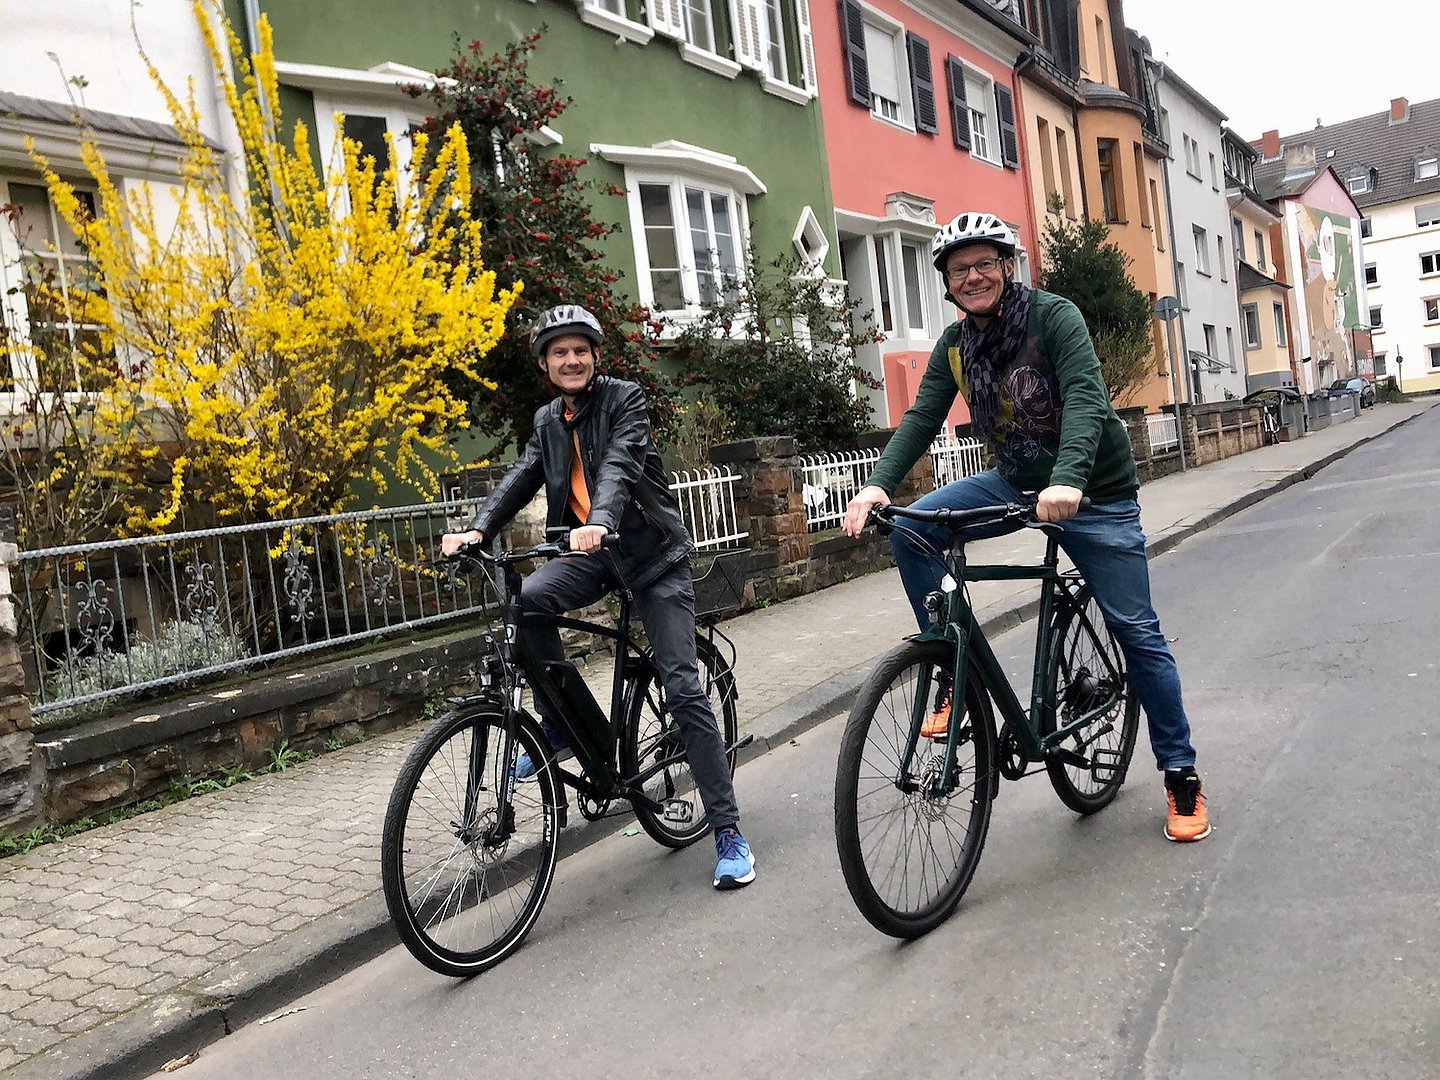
(525, 768)
(734, 865)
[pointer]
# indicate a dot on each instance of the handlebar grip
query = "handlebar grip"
(1085, 502)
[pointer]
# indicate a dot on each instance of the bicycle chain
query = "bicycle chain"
(1013, 761)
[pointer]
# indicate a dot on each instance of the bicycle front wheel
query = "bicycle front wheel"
(1087, 676)
(908, 846)
(465, 876)
(652, 735)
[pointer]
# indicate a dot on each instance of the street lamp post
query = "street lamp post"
(1399, 375)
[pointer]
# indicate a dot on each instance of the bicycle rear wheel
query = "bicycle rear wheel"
(651, 736)
(907, 849)
(1087, 674)
(464, 876)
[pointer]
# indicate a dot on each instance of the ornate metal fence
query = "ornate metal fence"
(829, 482)
(100, 620)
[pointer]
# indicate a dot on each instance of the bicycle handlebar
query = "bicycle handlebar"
(551, 550)
(965, 519)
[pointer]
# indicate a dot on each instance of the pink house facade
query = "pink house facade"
(920, 107)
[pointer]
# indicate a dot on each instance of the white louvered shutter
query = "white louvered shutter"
(746, 33)
(807, 46)
(666, 17)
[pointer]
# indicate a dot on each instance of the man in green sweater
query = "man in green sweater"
(1025, 363)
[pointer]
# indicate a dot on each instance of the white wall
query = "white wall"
(1395, 247)
(1199, 200)
(93, 41)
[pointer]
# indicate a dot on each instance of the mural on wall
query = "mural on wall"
(1327, 250)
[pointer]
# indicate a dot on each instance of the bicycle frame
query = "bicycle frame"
(960, 628)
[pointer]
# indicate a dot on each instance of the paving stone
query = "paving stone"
(108, 999)
(30, 1039)
(12, 1001)
(125, 978)
(20, 977)
(8, 1056)
(85, 968)
(245, 934)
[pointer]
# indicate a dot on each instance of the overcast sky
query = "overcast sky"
(1283, 63)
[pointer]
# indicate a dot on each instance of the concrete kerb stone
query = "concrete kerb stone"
(272, 976)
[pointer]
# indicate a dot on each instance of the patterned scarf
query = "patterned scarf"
(987, 354)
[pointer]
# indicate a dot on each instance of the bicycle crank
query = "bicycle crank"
(1013, 761)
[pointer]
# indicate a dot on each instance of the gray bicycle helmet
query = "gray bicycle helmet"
(564, 319)
(972, 227)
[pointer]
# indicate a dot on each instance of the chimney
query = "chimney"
(1299, 158)
(1399, 110)
(1270, 144)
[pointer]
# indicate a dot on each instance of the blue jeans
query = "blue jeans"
(1108, 547)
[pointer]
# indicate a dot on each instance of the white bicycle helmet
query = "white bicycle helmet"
(564, 319)
(972, 227)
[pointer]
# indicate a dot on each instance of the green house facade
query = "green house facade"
(703, 111)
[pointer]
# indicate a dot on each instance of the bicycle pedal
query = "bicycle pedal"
(679, 812)
(1105, 766)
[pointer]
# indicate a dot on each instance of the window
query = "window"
(887, 78)
(1062, 157)
(1380, 371)
(1214, 174)
(1202, 251)
(1365, 228)
(1212, 350)
(1372, 275)
(1047, 165)
(981, 141)
(1140, 179)
(776, 65)
(42, 280)
(1182, 292)
(1237, 230)
(369, 125)
(1434, 351)
(1230, 344)
(911, 263)
(1432, 309)
(692, 241)
(614, 7)
(1279, 324)
(882, 274)
(1375, 321)
(1102, 55)
(1430, 262)
(1155, 216)
(1250, 317)
(1259, 249)
(1427, 214)
(1427, 166)
(1110, 194)
(1358, 185)
(1220, 255)
(699, 24)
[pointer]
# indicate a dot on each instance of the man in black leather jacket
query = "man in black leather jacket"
(593, 453)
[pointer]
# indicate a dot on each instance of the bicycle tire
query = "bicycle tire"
(432, 858)
(870, 751)
(650, 734)
(1076, 659)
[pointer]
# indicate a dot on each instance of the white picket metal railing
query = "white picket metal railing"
(707, 504)
(829, 482)
(1164, 434)
(953, 458)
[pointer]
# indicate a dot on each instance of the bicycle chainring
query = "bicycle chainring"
(1013, 761)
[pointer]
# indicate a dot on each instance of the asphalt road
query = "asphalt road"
(1298, 941)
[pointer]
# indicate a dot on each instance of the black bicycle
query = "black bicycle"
(469, 847)
(911, 811)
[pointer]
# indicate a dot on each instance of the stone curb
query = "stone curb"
(270, 977)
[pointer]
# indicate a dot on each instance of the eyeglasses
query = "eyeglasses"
(984, 266)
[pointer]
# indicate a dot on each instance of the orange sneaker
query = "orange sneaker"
(937, 724)
(1188, 820)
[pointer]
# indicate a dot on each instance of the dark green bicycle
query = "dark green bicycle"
(911, 812)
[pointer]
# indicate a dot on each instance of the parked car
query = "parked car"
(1364, 387)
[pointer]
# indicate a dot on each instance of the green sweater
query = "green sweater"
(1056, 423)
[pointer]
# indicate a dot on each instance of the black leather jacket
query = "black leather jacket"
(629, 490)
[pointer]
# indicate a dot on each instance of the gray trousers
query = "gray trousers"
(667, 609)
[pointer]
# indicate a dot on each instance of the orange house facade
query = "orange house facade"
(920, 107)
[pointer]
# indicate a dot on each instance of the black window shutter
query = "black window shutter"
(857, 68)
(959, 110)
(922, 83)
(1009, 138)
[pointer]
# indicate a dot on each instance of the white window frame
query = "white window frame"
(1250, 319)
(1427, 167)
(1376, 318)
(678, 184)
(984, 121)
(773, 14)
(399, 118)
(1427, 304)
(1434, 257)
(603, 15)
(1202, 250)
(1358, 185)
(1370, 281)
(1433, 351)
(1281, 338)
(15, 306)
(895, 31)
(1259, 250)
(1430, 221)
(1220, 255)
